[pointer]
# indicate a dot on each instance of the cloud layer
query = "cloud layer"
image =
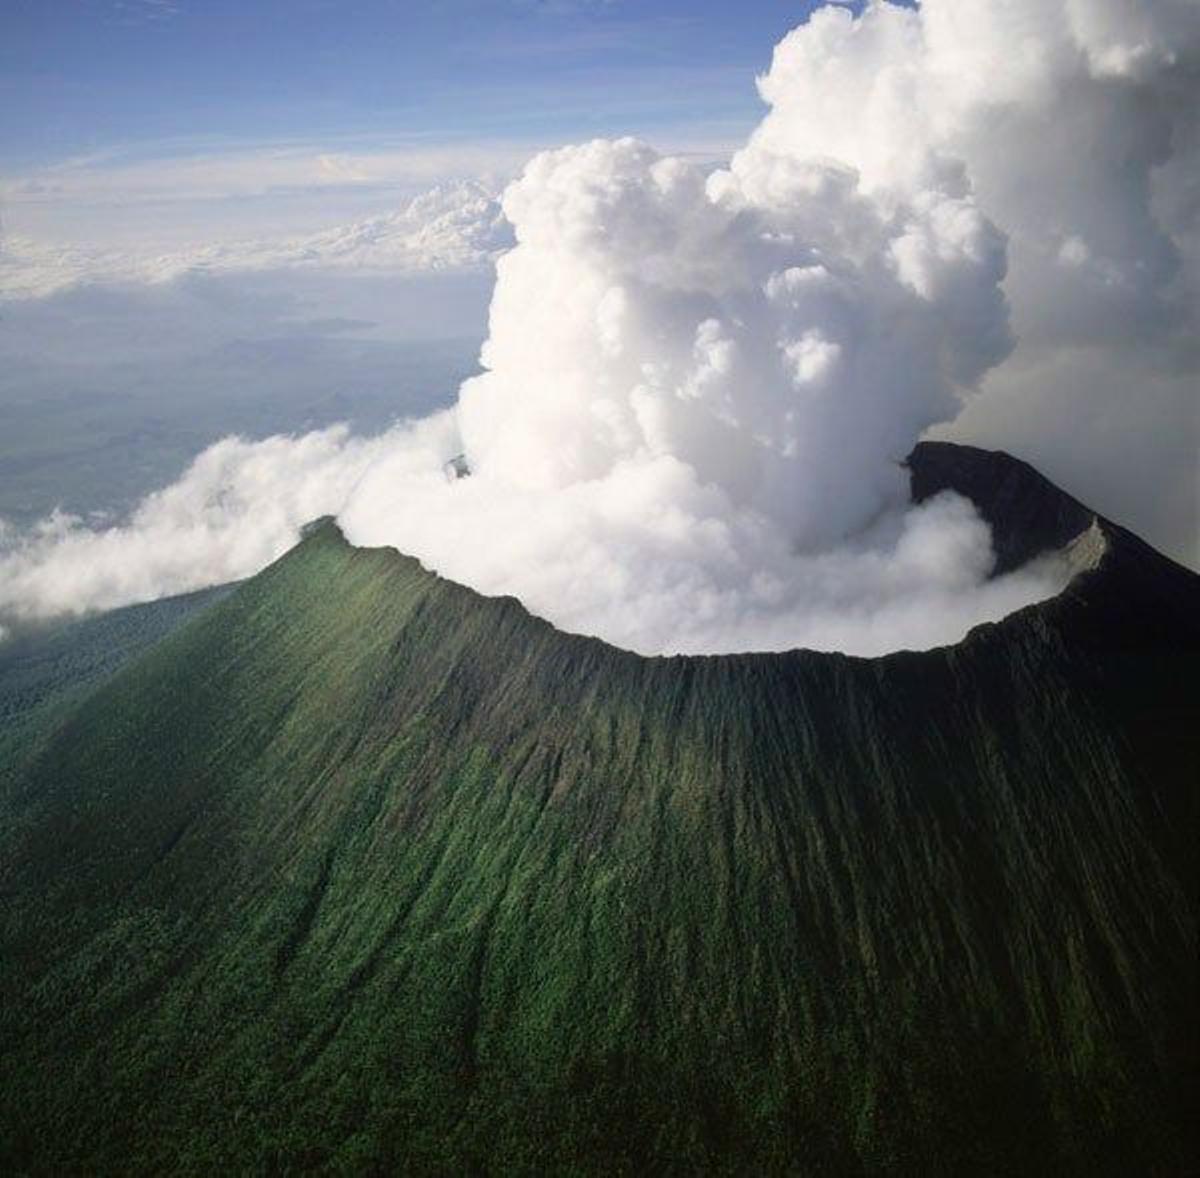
(237, 507)
(454, 226)
(697, 384)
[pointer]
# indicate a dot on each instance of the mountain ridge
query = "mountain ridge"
(359, 869)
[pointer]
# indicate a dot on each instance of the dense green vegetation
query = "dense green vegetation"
(47, 666)
(359, 870)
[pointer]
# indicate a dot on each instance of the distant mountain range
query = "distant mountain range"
(452, 226)
(352, 868)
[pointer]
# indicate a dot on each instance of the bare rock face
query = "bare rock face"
(1028, 514)
(1141, 598)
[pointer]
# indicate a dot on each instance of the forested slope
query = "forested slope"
(361, 869)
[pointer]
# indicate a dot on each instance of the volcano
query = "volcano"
(351, 868)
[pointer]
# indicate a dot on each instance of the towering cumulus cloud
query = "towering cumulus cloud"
(698, 385)
(697, 392)
(1076, 125)
(771, 331)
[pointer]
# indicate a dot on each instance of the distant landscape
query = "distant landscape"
(146, 386)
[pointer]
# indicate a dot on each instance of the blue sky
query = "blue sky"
(155, 123)
(86, 76)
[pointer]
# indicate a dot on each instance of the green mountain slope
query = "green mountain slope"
(360, 870)
(44, 667)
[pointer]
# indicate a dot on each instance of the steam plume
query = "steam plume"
(697, 386)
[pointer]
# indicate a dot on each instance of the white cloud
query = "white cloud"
(237, 507)
(697, 385)
(1074, 126)
(136, 12)
(683, 387)
(622, 558)
(454, 226)
(228, 171)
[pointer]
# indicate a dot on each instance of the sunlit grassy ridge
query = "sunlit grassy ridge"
(361, 869)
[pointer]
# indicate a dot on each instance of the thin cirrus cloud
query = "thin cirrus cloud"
(134, 12)
(696, 383)
(216, 172)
